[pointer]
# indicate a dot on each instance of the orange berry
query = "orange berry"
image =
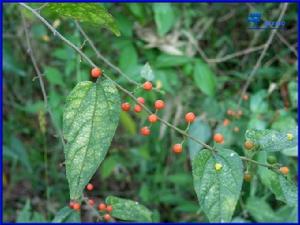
(177, 148)
(245, 97)
(96, 72)
(247, 176)
(152, 118)
(109, 208)
(91, 202)
(125, 106)
(145, 131)
(71, 204)
(219, 138)
(101, 207)
(248, 144)
(159, 104)
(147, 86)
(190, 117)
(226, 122)
(138, 108)
(284, 170)
(89, 187)
(141, 100)
(76, 206)
(107, 217)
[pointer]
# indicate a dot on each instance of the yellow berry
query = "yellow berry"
(290, 136)
(218, 166)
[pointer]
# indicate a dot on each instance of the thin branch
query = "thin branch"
(269, 166)
(224, 58)
(284, 41)
(84, 56)
(40, 77)
(258, 63)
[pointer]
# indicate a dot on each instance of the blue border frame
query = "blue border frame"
(139, 1)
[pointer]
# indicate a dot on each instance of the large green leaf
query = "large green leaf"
(283, 189)
(205, 78)
(93, 13)
(218, 191)
(129, 210)
(66, 215)
(90, 119)
(200, 130)
(164, 17)
(271, 140)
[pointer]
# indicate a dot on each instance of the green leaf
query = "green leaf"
(205, 78)
(261, 210)
(271, 140)
(164, 17)
(268, 177)
(128, 123)
(25, 214)
(66, 215)
(258, 103)
(218, 191)
(108, 166)
(53, 76)
(164, 61)
(91, 116)
(283, 189)
(147, 72)
(86, 12)
(289, 190)
(200, 130)
(129, 210)
(293, 93)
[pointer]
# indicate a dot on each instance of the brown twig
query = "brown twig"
(258, 62)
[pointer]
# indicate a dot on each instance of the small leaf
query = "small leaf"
(164, 61)
(271, 140)
(258, 103)
(128, 210)
(25, 214)
(90, 119)
(108, 166)
(128, 123)
(147, 72)
(205, 78)
(66, 215)
(268, 177)
(218, 191)
(200, 130)
(53, 76)
(86, 12)
(293, 93)
(164, 17)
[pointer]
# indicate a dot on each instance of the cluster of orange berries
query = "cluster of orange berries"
(103, 208)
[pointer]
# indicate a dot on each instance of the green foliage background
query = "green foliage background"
(138, 168)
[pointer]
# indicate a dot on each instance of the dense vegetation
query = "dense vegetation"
(240, 83)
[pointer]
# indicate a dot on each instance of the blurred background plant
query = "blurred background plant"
(200, 55)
